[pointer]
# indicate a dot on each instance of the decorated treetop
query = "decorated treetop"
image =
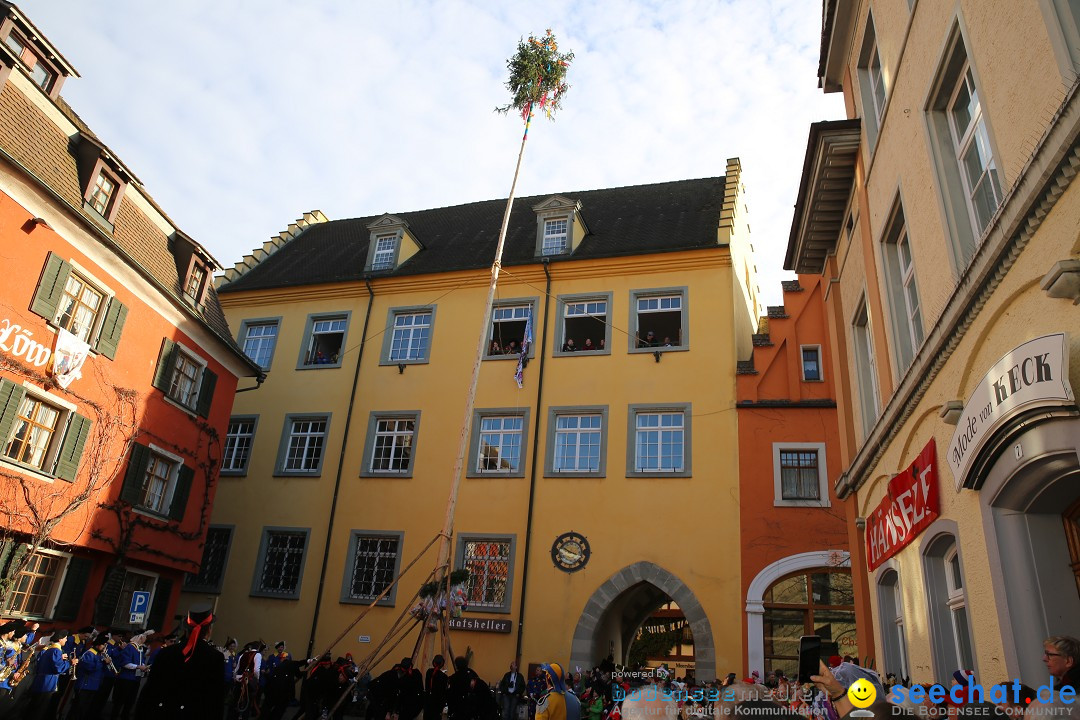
(537, 76)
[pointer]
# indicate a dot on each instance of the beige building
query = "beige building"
(944, 217)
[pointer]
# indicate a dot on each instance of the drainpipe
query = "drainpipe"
(258, 384)
(536, 454)
(340, 468)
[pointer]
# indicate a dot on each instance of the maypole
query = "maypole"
(537, 81)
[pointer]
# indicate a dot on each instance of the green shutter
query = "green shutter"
(11, 396)
(51, 287)
(108, 597)
(131, 492)
(206, 392)
(162, 595)
(5, 551)
(67, 464)
(111, 328)
(180, 495)
(69, 602)
(166, 365)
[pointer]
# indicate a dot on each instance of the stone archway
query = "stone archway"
(653, 582)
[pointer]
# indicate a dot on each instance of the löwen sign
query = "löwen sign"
(911, 504)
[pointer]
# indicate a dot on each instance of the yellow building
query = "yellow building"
(944, 215)
(622, 454)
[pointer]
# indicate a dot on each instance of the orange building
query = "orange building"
(795, 565)
(117, 368)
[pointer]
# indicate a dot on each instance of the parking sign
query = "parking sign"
(140, 604)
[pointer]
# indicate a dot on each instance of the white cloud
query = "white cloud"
(241, 116)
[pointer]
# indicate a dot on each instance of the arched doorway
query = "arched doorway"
(611, 617)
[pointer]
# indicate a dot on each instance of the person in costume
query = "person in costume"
(556, 703)
(51, 663)
(187, 680)
(131, 662)
(93, 665)
(435, 683)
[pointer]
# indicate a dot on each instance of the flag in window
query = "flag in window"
(523, 356)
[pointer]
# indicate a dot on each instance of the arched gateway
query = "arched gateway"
(617, 609)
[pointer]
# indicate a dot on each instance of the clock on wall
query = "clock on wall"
(570, 551)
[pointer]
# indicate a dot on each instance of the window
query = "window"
(376, 559)
(34, 589)
(891, 615)
(811, 363)
(195, 280)
(303, 445)
(184, 378)
(949, 623)
(1063, 21)
(509, 319)
(954, 581)
(385, 252)
(411, 337)
(489, 561)
(969, 178)
(659, 441)
(133, 582)
(324, 339)
(584, 322)
(658, 319)
(259, 338)
(902, 289)
(41, 431)
(79, 306)
(280, 567)
(871, 82)
(42, 76)
(865, 367)
(238, 441)
(799, 475)
(577, 442)
(554, 236)
(157, 482)
(101, 193)
(390, 446)
(16, 44)
(498, 444)
(818, 602)
(214, 558)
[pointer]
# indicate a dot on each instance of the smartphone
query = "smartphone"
(809, 657)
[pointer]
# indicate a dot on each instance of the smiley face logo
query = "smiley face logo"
(862, 693)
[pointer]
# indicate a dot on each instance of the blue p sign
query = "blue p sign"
(140, 603)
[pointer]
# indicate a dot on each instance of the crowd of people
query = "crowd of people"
(93, 674)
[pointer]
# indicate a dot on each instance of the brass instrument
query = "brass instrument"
(24, 669)
(9, 665)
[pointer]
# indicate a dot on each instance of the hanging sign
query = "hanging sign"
(64, 362)
(909, 507)
(1034, 374)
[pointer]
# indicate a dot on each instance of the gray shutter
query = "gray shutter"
(131, 492)
(69, 602)
(162, 594)
(11, 395)
(180, 494)
(51, 287)
(111, 328)
(67, 464)
(109, 595)
(166, 365)
(206, 392)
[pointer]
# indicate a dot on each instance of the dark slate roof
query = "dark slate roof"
(636, 220)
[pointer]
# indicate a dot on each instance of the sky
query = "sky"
(240, 115)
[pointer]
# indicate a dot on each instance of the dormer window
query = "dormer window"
(102, 192)
(385, 250)
(42, 76)
(103, 184)
(554, 236)
(196, 280)
(16, 45)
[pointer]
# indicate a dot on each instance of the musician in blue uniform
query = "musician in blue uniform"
(93, 666)
(131, 663)
(51, 663)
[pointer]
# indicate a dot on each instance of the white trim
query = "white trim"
(755, 610)
(822, 472)
(44, 394)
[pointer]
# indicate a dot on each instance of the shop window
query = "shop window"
(215, 558)
(659, 320)
(583, 326)
(375, 561)
(816, 602)
(489, 561)
(279, 569)
(324, 341)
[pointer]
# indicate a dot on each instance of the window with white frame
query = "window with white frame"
(872, 82)
(500, 442)
(101, 193)
(79, 308)
(865, 367)
(658, 319)
(259, 339)
(811, 362)
(193, 287)
(488, 561)
(800, 476)
(950, 629)
(411, 336)
(555, 236)
(577, 443)
(326, 335)
(185, 380)
(954, 580)
(508, 324)
(238, 441)
(305, 444)
(891, 617)
(972, 144)
(375, 559)
(659, 441)
(393, 446)
(280, 568)
(385, 252)
(41, 431)
(37, 426)
(584, 324)
(34, 588)
(903, 289)
(158, 480)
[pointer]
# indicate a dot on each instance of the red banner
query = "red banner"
(910, 506)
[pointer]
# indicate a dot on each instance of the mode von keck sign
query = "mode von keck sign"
(909, 507)
(1034, 374)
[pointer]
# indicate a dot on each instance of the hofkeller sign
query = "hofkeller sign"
(481, 624)
(1035, 374)
(910, 505)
